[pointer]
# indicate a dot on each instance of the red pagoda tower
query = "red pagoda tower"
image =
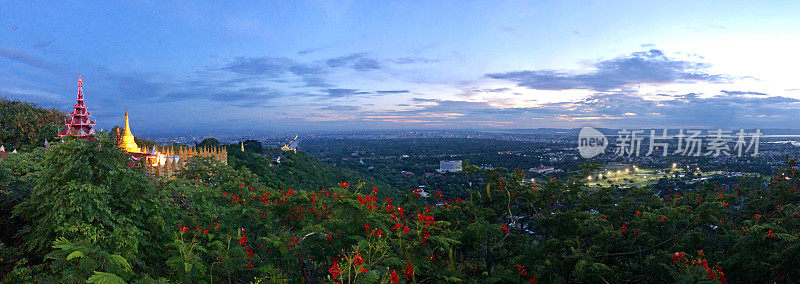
(79, 125)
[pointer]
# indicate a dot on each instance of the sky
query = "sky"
(182, 67)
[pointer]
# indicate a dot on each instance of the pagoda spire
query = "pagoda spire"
(128, 141)
(79, 125)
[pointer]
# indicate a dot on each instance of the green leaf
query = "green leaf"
(187, 266)
(120, 261)
(105, 278)
(75, 254)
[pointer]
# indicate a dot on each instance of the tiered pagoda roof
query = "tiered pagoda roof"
(79, 124)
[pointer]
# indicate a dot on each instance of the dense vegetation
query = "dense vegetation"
(80, 211)
(23, 124)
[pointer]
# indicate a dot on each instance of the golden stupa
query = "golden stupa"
(128, 142)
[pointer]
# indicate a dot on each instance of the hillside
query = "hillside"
(81, 212)
(297, 170)
(25, 125)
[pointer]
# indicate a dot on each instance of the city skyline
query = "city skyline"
(320, 65)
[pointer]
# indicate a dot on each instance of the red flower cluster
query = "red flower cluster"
(678, 256)
(335, 270)
(522, 271)
(428, 220)
(505, 229)
(393, 277)
(368, 201)
(409, 271)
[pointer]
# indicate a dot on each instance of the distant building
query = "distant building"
(292, 146)
(449, 166)
(542, 169)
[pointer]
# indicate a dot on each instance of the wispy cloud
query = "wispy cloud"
(30, 60)
(357, 61)
(393, 92)
(651, 66)
(338, 93)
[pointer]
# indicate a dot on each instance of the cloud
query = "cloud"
(340, 108)
(357, 61)
(316, 81)
(310, 50)
(617, 110)
(30, 60)
(412, 60)
(338, 93)
(741, 93)
(650, 66)
(245, 97)
(261, 66)
(393, 92)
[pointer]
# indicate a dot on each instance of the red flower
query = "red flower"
(770, 234)
(243, 240)
(663, 219)
(757, 216)
(505, 229)
(379, 233)
(405, 229)
(366, 227)
(397, 226)
(344, 184)
(394, 278)
(678, 256)
(638, 212)
(624, 228)
(533, 280)
(357, 260)
(335, 270)
(409, 271)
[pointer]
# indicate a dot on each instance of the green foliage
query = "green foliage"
(96, 219)
(81, 261)
(253, 146)
(86, 191)
(24, 126)
(208, 142)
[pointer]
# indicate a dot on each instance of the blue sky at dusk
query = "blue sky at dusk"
(320, 65)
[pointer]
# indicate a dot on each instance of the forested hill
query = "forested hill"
(293, 170)
(25, 125)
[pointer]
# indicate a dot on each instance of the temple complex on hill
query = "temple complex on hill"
(79, 124)
(161, 162)
(164, 162)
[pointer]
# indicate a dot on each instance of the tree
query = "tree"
(88, 194)
(253, 146)
(209, 142)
